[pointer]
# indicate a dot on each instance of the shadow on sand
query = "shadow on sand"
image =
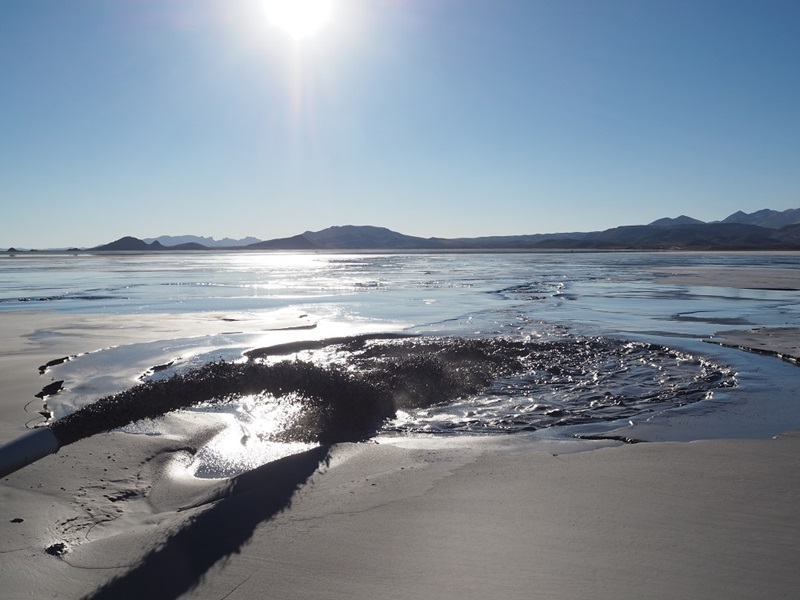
(252, 498)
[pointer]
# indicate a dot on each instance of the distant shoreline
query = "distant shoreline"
(35, 253)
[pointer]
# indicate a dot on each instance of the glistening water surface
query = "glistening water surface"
(606, 343)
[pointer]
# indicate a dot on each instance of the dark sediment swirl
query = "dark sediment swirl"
(349, 387)
(328, 392)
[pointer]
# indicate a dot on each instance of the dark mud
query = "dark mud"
(55, 362)
(350, 388)
(50, 389)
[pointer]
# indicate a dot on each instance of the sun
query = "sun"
(299, 18)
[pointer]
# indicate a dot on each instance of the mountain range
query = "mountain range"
(762, 230)
(208, 242)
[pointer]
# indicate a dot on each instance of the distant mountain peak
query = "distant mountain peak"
(364, 237)
(669, 222)
(209, 242)
(766, 217)
(127, 244)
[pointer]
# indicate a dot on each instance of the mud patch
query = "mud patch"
(347, 389)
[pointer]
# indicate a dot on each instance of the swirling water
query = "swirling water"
(626, 345)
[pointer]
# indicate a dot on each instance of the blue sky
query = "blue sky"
(430, 117)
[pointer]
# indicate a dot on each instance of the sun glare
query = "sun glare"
(299, 18)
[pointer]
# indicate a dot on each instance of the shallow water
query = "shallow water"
(565, 297)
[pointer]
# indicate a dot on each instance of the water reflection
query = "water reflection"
(247, 439)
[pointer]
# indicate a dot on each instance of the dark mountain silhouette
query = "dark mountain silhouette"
(132, 244)
(351, 237)
(766, 218)
(682, 220)
(296, 242)
(366, 237)
(186, 246)
(698, 236)
(128, 244)
(509, 242)
(679, 233)
(789, 234)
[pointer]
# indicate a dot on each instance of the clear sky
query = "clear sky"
(430, 117)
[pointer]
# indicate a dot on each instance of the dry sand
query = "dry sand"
(706, 519)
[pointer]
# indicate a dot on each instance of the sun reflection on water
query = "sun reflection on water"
(247, 440)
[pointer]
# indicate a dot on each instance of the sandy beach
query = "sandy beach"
(112, 516)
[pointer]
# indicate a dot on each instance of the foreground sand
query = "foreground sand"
(706, 519)
(713, 519)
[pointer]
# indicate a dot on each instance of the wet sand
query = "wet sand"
(705, 519)
(742, 277)
(783, 342)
